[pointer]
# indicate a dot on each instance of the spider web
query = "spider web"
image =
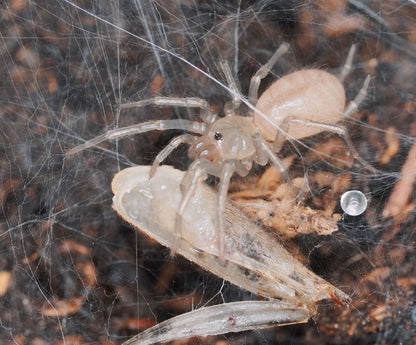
(71, 272)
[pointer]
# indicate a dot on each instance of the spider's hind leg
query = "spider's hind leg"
(338, 129)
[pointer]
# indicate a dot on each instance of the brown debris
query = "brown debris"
(279, 205)
(288, 218)
(183, 303)
(403, 189)
(379, 313)
(5, 280)
(135, 324)
(377, 276)
(61, 308)
(72, 340)
(279, 209)
(19, 5)
(407, 282)
(71, 246)
(156, 85)
(165, 277)
(339, 24)
(393, 145)
(334, 151)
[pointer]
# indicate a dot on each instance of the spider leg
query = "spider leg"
(224, 318)
(230, 108)
(338, 129)
(346, 69)
(264, 148)
(263, 71)
(284, 127)
(359, 98)
(190, 102)
(167, 150)
(161, 125)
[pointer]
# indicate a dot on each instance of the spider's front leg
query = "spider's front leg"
(197, 173)
(123, 132)
(161, 125)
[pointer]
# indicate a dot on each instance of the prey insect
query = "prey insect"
(254, 260)
(296, 106)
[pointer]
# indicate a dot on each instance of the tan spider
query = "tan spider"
(296, 106)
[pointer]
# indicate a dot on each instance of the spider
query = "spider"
(296, 106)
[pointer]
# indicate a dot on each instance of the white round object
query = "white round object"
(353, 202)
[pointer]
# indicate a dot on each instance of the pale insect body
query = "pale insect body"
(299, 104)
(254, 259)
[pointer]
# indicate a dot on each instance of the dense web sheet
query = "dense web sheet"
(72, 272)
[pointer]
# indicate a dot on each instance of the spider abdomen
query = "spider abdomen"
(309, 95)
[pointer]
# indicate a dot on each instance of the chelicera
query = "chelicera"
(296, 106)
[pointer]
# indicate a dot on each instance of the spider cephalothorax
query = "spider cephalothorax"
(229, 138)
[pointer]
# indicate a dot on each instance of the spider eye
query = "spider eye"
(218, 136)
